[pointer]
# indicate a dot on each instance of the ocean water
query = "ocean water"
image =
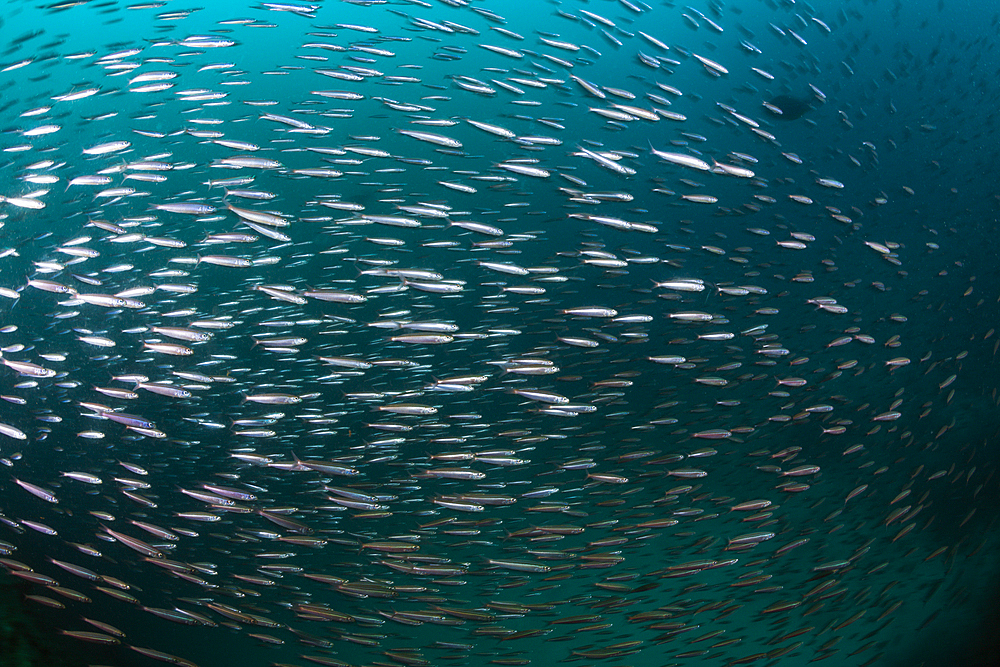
(498, 333)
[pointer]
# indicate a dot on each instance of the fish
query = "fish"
(789, 107)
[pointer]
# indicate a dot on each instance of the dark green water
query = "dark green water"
(517, 390)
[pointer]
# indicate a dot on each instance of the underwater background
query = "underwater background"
(458, 332)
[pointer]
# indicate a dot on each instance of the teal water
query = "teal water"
(768, 437)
